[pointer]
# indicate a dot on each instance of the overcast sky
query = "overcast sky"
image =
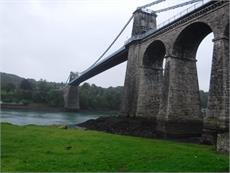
(46, 39)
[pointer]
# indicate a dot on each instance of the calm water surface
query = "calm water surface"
(22, 117)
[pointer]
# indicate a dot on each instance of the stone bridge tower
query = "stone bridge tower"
(143, 22)
(71, 95)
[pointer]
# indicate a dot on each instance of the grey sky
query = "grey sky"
(49, 38)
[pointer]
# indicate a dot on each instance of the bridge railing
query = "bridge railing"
(170, 20)
(182, 13)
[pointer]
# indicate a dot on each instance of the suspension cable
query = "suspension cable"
(151, 4)
(66, 83)
(102, 55)
(177, 6)
(110, 45)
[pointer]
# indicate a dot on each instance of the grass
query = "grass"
(46, 149)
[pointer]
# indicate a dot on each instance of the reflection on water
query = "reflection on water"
(22, 117)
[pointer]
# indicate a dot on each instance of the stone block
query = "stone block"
(223, 142)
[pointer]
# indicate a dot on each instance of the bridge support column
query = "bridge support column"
(71, 98)
(130, 93)
(180, 111)
(151, 75)
(71, 95)
(143, 21)
(149, 92)
(216, 123)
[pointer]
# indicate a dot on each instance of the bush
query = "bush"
(55, 98)
(25, 102)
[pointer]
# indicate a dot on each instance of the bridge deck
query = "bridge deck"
(112, 60)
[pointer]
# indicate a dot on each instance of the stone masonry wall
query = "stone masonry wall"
(71, 98)
(179, 102)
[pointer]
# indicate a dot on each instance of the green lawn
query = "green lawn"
(36, 148)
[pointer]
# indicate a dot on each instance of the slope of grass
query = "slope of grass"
(46, 149)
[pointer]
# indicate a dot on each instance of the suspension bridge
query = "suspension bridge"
(121, 54)
(171, 98)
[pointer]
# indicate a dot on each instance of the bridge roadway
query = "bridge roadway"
(121, 54)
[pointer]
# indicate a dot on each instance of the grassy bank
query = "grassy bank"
(34, 148)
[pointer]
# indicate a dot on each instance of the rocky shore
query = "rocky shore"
(138, 126)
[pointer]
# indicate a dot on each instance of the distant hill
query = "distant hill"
(28, 91)
(7, 78)
(10, 78)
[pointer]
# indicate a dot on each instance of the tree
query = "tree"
(43, 86)
(55, 98)
(26, 85)
(204, 99)
(9, 87)
(25, 91)
(98, 98)
(41, 93)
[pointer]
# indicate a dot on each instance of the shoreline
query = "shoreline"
(32, 107)
(43, 107)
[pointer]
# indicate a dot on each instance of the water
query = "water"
(23, 117)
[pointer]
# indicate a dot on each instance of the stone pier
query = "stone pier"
(172, 97)
(216, 123)
(143, 21)
(71, 95)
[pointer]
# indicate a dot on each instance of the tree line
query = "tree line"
(94, 97)
(91, 97)
(32, 92)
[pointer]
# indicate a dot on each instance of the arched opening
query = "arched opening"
(187, 96)
(154, 55)
(189, 39)
(151, 80)
(204, 63)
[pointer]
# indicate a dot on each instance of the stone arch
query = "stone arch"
(150, 84)
(154, 54)
(181, 98)
(189, 39)
(185, 48)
